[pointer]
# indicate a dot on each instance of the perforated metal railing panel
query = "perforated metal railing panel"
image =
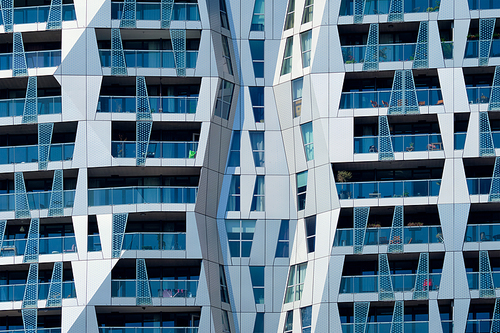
(486, 287)
(396, 237)
(56, 205)
(166, 13)
(30, 299)
(421, 58)
(55, 15)
(386, 151)
(8, 14)
(485, 136)
(396, 11)
(360, 223)
(54, 299)
(422, 283)
(371, 53)
(486, 28)
(45, 131)
(385, 289)
(118, 65)
(129, 14)
(19, 67)
(179, 46)
(118, 231)
(143, 290)
(21, 197)
(32, 249)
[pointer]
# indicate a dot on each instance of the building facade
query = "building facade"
(184, 166)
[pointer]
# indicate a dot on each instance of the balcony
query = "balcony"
(29, 154)
(38, 330)
(15, 292)
(36, 200)
(35, 59)
(478, 326)
(142, 195)
(473, 279)
(40, 14)
(483, 4)
(386, 52)
(149, 59)
(379, 99)
(154, 241)
(479, 185)
(409, 327)
(382, 236)
(15, 107)
(472, 49)
(47, 245)
(389, 189)
(146, 330)
(400, 283)
(151, 11)
(159, 288)
(127, 104)
(482, 233)
(156, 149)
(400, 143)
(382, 7)
(478, 95)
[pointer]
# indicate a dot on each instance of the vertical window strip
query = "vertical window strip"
(301, 190)
(224, 296)
(305, 43)
(224, 98)
(233, 201)
(282, 248)
(225, 322)
(297, 86)
(240, 237)
(289, 322)
(224, 22)
(257, 141)
(257, 51)
(258, 201)
(310, 223)
(308, 11)
(259, 323)
(290, 15)
(307, 139)
(234, 154)
(227, 55)
(286, 67)
(306, 319)
(258, 16)
(257, 276)
(257, 97)
(295, 284)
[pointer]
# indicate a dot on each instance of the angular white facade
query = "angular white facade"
(249, 166)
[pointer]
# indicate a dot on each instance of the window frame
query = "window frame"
(234, 194)
(244, 239)
(290, 15)
(256, 57)
(224, 295)
(295, 282)
(226, 54)
(259, 199)
(297, 100)
(306, 53)
(308, 10)
(256, 151)
(286, 240)
(301, 191)
(261, 17)
(310, 237)
(286, 66)
(308, 145)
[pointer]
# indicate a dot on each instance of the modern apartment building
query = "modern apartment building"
(249, 166)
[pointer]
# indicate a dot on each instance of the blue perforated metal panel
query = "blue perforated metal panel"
(179, 45)
(403, 94)
(56, 206)
(143, 291)
(144, 122)
(495, 91)
(359, 8)
(30, 112)
(385, 290)
(360, 316)
(398, 317)
(486, 287)
(396, 11)
(30, 320)
(129, 14)
(166, 13)
(3, 225)
(360, 223)
(371, 53)
(21, 198)
(19, 66)
(30, 299)
(118, 231)
(495, 323)
(421, 59)
(118, 65)
(486, 28)
(386, 152)
(44, 139)
(396, 238)
(422, 282)
(32, 249)
(8, 14)
(485, 136)
(55, 15)
(54, 299)
(495, 182)
(143, 110)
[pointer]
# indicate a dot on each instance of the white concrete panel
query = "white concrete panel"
(105, 225)
(275, 152)
(460, 314)
(306, 112)
(257, 256)
(335, 275)
(460, 277)
(73, 100)
(310, 208)
(246, 157)
(289, 144)
(320, 95)
(247, 184)
(74, 319)
(446, 10)
(320, 47)
(99, 13)
(447, 135)
(280, 274)
(283, 96)
(246, 288)
(79, 269)
(435, 49)
(461, 194)
(80, 204)
(446, 289)
(193, 240)
(460, 32)
(461, 9)
(80, 227)
(446, 188)
(335, 54)
(99, 143)
(341, 139)
(324, 183)
(320, 290)
(434, 317)
(99, 282)
(471, 147)
(320, 141)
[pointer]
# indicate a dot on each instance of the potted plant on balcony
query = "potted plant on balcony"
(344, 176)
(415, 224)
(411, 147)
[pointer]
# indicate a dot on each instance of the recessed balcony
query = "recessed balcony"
(183, 10)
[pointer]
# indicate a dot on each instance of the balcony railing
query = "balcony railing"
(389, 189)
(386, 53)
(473, 279)
(154, 241)
(29, 154)
(478, 326)
(478, 95)
(148, 330)
(172, 104)
(36, 59)
(152, 11)
(409, 327)
(382, 7)
(479, 185)
(483, 233)
(382, 236)
(149, 59)
(15, 107)
(472, 49)
(40, 14)
(483, 4)
(15, 292)
(381, 99)
(400, 282)
(156, 149)
(47, 245)
(400, 143)
(159, 288)
(38, 330)
(36, 200)
(142, 195)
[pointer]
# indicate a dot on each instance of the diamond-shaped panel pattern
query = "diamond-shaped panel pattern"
(143, 290)
(486, 28)
(422, 282)
(485, 136)
(118, 65)
(55, 15)
(371, 55)
(421, 59)
(360, 223)
(386, 152)
(30, 299)
(166, 13)
(486, 288)
(396, 238)
(54, 298)
(118, 231)
(33, 242)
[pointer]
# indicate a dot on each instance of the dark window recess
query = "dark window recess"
(126, 131)
(93, 229)
(33, 3)
(156, 226)
(112, 181)
(477, 168)
(402, 174)
(164, 319)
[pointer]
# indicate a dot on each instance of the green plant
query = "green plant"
(344, 176)
(374, 225)
(415, 224)
(350, 62)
